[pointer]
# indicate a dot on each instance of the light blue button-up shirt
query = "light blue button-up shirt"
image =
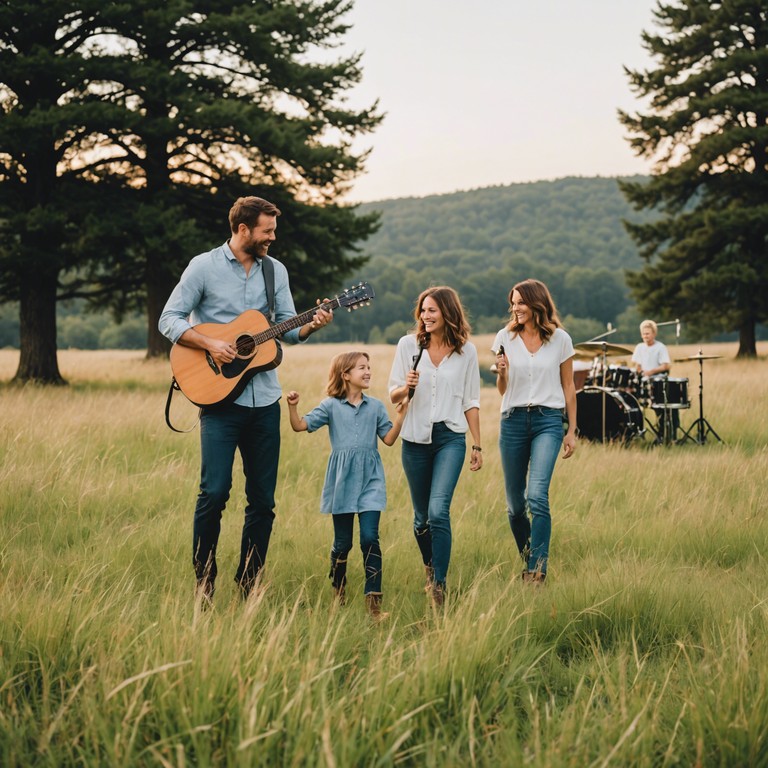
(354, 477)
(215, 289)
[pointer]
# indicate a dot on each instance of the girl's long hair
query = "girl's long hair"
(538, 299)
(457, 327)
(343, 363)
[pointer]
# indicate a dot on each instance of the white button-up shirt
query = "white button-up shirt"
(445, 392)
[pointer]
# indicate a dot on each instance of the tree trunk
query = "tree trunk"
(158, 291)
(37, 330)
(747, 342)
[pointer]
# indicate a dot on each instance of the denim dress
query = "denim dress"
(354, 478)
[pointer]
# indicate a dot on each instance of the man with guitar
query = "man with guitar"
(215, 289)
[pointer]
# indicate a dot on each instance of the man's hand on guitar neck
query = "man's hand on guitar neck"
(321, 318)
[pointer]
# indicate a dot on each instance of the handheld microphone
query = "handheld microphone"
(494, 367)
(416, 359)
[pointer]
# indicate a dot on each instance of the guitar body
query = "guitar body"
(204, 382)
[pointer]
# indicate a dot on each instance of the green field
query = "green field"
(647, 647)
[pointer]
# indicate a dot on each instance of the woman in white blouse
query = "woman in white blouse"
(437, 367)
(534, 361)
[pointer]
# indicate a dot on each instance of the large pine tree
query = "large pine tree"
(227, 98)
(706, 130)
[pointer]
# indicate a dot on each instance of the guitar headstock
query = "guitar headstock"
(356, 296)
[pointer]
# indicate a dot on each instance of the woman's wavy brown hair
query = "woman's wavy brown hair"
(457, 328)
(539, 300)
(343, 363)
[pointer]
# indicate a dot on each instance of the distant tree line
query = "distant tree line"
(590, 255)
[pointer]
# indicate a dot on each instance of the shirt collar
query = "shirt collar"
(344, 400)
(229, 253)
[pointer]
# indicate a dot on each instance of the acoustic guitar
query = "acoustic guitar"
(204, 382)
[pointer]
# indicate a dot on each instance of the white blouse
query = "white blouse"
(534, 377)
(444, 393)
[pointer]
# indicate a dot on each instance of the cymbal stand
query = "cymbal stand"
(701, 422)
(605, 384)
(665, 422)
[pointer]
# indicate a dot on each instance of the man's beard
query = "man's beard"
(256, 250)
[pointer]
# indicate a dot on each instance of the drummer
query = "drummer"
(651, 357)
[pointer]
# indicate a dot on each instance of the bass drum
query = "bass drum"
(623, 414)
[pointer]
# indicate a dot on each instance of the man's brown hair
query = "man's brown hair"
(246, 210)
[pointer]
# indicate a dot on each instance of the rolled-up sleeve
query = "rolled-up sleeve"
(471, 398)
(175, 318)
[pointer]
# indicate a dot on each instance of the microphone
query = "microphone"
(416, 359)
(494, 367)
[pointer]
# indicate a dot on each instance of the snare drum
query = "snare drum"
(618, 377)
(669, 393)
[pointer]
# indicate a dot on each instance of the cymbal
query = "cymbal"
(697, 357)
(598, 347)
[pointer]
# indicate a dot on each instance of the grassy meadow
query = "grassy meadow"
(647, 646)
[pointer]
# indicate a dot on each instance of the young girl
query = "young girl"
(354, 479)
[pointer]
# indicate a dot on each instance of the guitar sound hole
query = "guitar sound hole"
(245, 346)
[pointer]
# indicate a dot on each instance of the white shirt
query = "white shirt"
(534, 377)
(445, 392)
(650, 357)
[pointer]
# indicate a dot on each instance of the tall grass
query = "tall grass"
(647, 646)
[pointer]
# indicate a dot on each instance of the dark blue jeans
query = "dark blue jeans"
(432, 471)
(343, 527)
(255, 432)
(529, 442)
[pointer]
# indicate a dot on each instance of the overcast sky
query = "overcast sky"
(495, 91)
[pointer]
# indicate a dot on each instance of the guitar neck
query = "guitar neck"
(293, 322)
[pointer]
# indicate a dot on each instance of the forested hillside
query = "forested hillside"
(567, 232)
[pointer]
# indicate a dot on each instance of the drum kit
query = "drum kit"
(611, 404)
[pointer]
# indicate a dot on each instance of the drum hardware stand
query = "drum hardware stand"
(604, 364)
(701, 422)
(665, 427)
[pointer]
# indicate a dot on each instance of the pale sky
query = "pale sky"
(495, 91)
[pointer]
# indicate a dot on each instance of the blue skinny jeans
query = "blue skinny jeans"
(529, 442)
(432, 471)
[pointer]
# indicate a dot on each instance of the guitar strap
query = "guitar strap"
(175, 387)
(268, 268)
